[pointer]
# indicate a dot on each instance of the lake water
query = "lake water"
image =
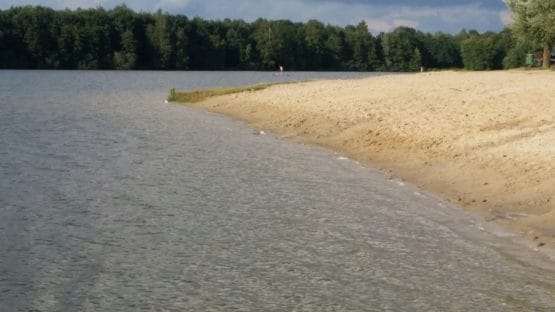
(112, 200)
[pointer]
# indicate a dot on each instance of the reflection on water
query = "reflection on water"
(111, 200)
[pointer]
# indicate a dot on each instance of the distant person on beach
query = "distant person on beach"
(280, 70)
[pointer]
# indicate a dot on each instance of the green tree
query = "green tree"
(416, 60)
(361, 52)
(516, 55)
(238, 46)
(35, 25)
(37, 37)
(181, 49)
(276, 43)
(3, 40)
(127, 57)
(265, 38)
(335, 48)
(158, 35)
(399, 49)
(94, 32)
(440, 51)
(535, 20)
(70, 46)
(123, 18)
(12, 50)
(208, 45)
(314, 40)
(482, 52)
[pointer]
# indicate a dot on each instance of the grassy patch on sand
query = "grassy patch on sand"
(195, 96)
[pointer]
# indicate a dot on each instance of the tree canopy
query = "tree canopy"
(35, 37)
(535, 20)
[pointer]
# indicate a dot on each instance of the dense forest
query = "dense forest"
(42, 38)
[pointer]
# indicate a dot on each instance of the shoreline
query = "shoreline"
(484, 141)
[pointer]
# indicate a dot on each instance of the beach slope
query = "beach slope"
(483, 140)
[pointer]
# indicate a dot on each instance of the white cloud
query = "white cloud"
(170, 5)
(379, 25)
(74, 4)
(380, 17)
(405, 22)
(385, 25)
(446, 19)
(506, 17)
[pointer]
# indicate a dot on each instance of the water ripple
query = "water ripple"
(111, 200)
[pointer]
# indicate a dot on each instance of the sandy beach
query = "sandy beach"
(482, 140)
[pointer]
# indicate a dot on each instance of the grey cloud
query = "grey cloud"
(426, 15)
(491, 4)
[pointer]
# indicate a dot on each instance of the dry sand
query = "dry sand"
(483, 140)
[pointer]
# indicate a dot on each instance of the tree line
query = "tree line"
(35, 37)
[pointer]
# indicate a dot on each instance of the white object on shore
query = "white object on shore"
(166, 101)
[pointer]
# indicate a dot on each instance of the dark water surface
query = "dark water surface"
(111, 200)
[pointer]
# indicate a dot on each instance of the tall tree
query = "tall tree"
(36, 37)
(400, 47)
(126, 58)
(276, 42)
(314, 40)
(483, 51)
(36, 27)
(535, 20)
(441, 51)
(181, 48)
(335, 47)
(238, 50)
(158, 35)
(361, 48)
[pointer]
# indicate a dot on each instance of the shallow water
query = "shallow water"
(111, 200)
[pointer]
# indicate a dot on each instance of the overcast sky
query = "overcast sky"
(426, 15)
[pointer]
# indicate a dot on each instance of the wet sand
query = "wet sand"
(483, 140)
